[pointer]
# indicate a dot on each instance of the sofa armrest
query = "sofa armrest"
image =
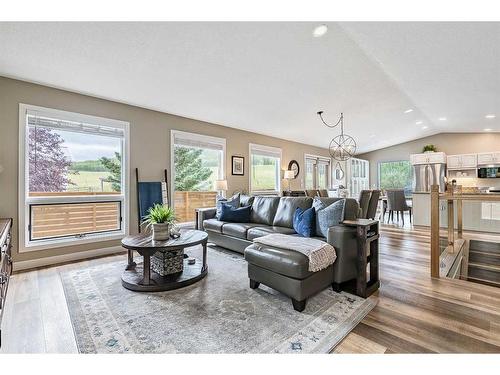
(344, 240)
(204, 214)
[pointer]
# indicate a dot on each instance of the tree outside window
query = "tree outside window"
(395, 175)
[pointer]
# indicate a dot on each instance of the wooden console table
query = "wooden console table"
(367, 234)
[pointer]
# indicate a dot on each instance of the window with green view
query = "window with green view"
(395, 175)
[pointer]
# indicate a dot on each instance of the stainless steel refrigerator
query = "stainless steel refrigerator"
(426, 175)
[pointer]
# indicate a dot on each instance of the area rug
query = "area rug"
(219, 314)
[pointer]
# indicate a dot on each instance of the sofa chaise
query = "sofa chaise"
(289, 269)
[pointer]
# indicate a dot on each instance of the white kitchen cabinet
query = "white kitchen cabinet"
(437, 157)
(488, 158)
(428, 158)
(453, 162)
(465, 161)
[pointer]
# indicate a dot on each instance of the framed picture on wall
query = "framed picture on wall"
(238, 165)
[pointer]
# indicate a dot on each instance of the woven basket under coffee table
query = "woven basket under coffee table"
(166, 259)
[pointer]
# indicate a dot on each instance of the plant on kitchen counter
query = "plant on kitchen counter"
(430, 148)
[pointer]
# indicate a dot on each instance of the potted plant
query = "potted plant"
(159, 219)
(429, 148)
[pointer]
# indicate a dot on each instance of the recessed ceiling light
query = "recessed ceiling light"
(409, 110)
(320, 31)
(372, 135)
(442, 119)
(487, 130)
(490, 116)
(419, 123)
(424, 127)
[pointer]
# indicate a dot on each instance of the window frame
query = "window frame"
(270, 149)
(317, 160)
(391, 161)
(25, 202)
(193, 136)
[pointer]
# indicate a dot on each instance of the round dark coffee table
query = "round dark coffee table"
(138, 277)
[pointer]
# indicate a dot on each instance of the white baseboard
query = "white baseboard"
(48, 261)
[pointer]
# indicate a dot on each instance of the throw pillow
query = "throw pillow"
(318, 205)
(234, 201)
(303, 221)
(235, 215)
(328, 216)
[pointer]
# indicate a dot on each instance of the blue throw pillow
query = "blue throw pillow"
(235, 215)
(328, 216)
(303, 221)
(234, 201)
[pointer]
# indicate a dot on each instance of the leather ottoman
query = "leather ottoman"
(286, 271)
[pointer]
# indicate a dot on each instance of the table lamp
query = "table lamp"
(289, 175)
(221, 187)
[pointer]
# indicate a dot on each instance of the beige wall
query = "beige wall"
(449, 143)
(149, 146)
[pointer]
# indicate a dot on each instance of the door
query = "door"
(454, 162)
(436, 175)
(468, 161)
(436, 157)
(486, 158)
(419, 159)
(358, 173)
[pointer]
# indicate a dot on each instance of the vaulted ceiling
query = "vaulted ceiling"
(272, 78)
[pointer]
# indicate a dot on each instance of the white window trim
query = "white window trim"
(277, 150)
(319, 158)
(24, 244)
(193, 136)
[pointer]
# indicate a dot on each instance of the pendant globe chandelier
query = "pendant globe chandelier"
(342, 147)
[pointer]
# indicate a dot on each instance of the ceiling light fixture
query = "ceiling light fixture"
(409, 110)
(487, 130)
(442, 119)
(424, 127)
(320, 30)
(419, 123)
(342, 147)
(490, 116)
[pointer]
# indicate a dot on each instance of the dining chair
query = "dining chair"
(396, 201)
(364, 200)
(311, 193)
(373, 204)
(323, 193)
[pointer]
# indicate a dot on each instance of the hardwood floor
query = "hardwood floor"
(415, 314)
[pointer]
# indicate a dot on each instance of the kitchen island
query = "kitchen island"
(481, 211)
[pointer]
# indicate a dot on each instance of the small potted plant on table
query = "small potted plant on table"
(160, 219)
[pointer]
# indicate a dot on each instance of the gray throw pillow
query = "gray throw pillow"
(328, 216)
(234, 201)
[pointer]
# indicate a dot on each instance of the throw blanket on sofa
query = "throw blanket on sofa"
(321, 254)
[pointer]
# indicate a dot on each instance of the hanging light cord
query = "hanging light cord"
(340, 121)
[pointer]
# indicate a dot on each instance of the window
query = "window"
(395, 175)
(318, 170)
(358, 172)
(197, 162)
(73, 178)
(265, 169)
